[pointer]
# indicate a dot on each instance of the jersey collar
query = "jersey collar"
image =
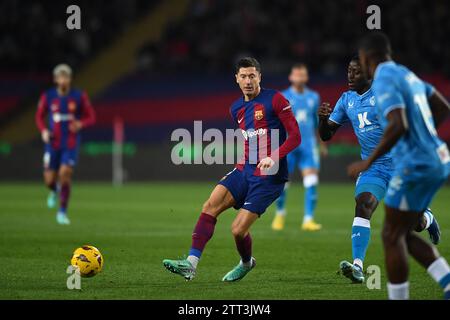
(363, 94)
(291, 88)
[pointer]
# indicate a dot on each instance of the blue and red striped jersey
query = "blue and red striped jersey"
(56, 112)
(269, 129)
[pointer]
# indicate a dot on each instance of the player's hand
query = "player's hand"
(75, 126)
(266, 163)
(45, 135)
(354, 169)
(324, 110)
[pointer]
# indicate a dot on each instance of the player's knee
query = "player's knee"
(365, 206)
(49, 179)
(238, 231)
(310, 180)
(65, 175)
(210, 207)
(364, 209)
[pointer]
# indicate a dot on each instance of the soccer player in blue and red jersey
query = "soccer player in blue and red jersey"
(266, 120)
(62, 112)
(409, 111)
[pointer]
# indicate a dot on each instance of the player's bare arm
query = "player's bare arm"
(395, 129)
(327, 128)
(440, 108)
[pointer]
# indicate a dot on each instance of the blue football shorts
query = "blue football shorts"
(250, 192)
(304, 157)
(413, 188)
(54, 158)
(374, 180)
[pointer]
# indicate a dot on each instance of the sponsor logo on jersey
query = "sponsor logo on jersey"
(60, 117)
(301, 115)
(363, 121)
(252, 133)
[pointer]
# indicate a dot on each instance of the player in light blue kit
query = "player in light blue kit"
(357, 106)
(304, 102)
(409, 111)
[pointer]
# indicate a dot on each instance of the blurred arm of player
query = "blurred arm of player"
(327, 128)
(87, 115)
(40, 118)
(440, 108)
(284, 112)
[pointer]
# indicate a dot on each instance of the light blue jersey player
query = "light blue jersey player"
(358, 107)
(409, 111)
(305, 158)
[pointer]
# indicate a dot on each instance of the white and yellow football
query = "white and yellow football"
(88, 260)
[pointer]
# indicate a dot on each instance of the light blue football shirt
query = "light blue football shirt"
(304, 106)
(395, 86)
(362, 113)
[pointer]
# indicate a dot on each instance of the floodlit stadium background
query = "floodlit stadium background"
(159, 65)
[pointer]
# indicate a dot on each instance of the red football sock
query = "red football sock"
(203, 231)
(244, 247)
(64, 197)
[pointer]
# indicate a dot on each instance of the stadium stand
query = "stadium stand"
(186, 69)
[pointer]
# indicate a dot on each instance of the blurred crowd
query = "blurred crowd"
(34, 36)
(322, 33)
(214, 33)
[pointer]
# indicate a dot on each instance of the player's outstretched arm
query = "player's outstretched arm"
(440, 108)
(327, 128)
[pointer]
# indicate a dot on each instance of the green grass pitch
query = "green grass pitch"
(139, 225)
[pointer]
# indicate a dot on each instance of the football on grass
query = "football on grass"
(88, 260)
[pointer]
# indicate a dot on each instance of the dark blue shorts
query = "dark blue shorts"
(250, 192)
(54, 158)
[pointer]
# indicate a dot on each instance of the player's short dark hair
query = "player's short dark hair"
(248, 62)
(355, 58)
(376, 44)
(299, 65)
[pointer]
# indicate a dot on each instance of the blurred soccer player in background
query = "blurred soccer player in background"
(358, 106)
(62, 112)
(409, 110)
(255, 182)
(305, 158)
